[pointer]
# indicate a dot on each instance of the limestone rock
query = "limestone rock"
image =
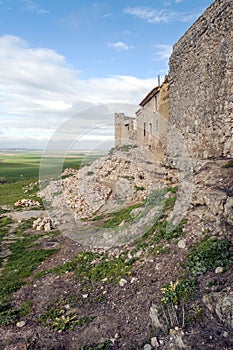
(122, 282)
(222, 304)
(181, 244)
(21, 324)
(228, 210)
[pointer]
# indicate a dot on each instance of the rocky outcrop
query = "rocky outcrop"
(222, 304)
(107, 184)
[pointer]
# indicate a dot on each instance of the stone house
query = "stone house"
(152, 119)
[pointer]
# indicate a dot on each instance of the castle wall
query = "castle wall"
(201, 83)
(125, 129)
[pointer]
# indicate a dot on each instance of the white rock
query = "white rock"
(147, 347)
(47, 227)
(85, 296)
(181, 244)
(219, 269)
(154, 342)
(133, 279)
(21, 324)
(122, 282)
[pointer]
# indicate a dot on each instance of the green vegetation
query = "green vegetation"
(179, 291)
(95, 267)
(208, 255)
(55, 317)
(20, 173)
(103, 346)
(229, 164)
(11, 192)
(122, 148)
(176, 296)
(140, 188)
(24, 258)
(114, 219)
(25, 166)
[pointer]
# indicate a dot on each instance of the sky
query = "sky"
(60, 59)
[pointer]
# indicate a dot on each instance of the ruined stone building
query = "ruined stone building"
(152, 119)
(125, 129)
(197, 97)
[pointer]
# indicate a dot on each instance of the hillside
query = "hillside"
(143, 282)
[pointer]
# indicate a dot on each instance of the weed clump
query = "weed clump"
(208, 255)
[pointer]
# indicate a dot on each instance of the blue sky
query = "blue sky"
(58, 58)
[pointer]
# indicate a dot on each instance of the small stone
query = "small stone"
(147, 347)
(225, 334)
(154, 342)
(47, 227)
(21, 324)
(133, 279)
(219, 269)
(181, 244)
(85, 296)
(122, 282)
(117, 336)
(122, 223)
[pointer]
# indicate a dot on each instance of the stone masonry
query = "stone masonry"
(125, 129)
(201, 84)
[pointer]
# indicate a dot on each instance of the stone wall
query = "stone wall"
(125, 129)
(201, 83)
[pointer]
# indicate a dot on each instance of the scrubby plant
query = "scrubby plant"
(208, 255)
(175, 296)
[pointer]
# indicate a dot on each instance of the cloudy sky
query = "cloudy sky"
(59, 59)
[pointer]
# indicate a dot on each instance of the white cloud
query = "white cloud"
(32, 6)
(39, 90)
(178, 1)
(107, 15)
(163, 51)
(158, 16)
(120, 46)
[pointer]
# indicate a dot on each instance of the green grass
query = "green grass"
(95, 267)
(21, 170)
(25, 256)
(114, 219)
(26, 166)
(11, 192)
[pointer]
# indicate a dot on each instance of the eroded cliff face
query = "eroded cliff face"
(201, 89)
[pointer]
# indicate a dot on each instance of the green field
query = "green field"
(18, 170)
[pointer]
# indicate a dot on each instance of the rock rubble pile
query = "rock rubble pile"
(27, 203)
(43, 224)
